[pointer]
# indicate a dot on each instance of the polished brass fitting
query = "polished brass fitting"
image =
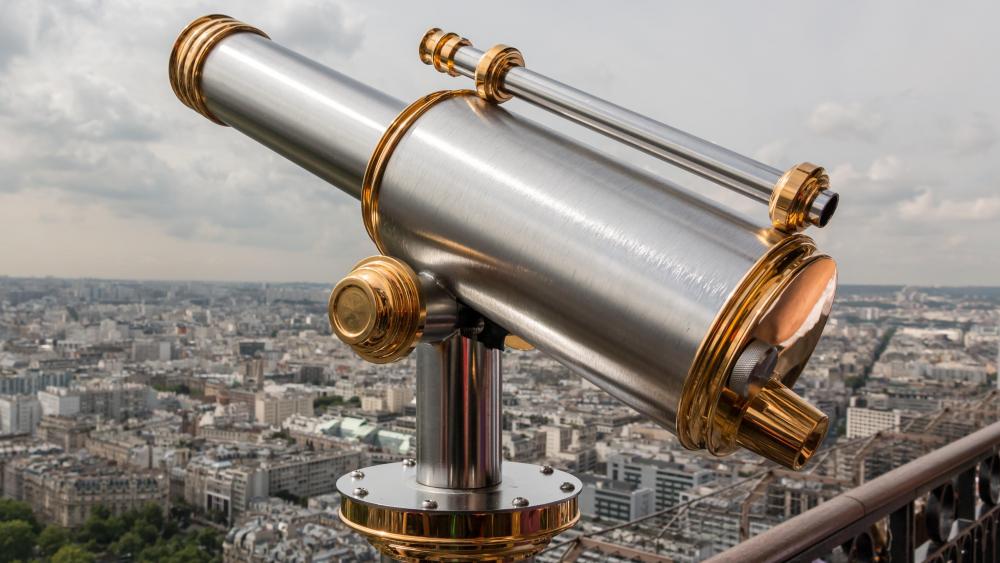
(801, 198)
(492, 69)
(378, 309)
(438, 49)
(783, 302)
(191, 48)
(781, 426)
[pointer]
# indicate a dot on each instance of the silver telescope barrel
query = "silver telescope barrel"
(684, 311)
(504, 67)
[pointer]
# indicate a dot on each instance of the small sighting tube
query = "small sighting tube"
(725, 167)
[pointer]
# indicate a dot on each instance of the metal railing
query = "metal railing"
(940, 507)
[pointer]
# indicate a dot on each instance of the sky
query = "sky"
(104, 173)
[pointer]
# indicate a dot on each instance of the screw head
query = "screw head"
(357, 474)
(547, 470)
(567, 487)
(429, 504)
(519, 502)
(360, 492)
(409, 462)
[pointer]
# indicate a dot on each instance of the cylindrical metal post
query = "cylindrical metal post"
(458, 414)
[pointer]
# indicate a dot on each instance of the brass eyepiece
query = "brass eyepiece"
(781, 426)
(378, 310)
(802, 198)
(191, 48)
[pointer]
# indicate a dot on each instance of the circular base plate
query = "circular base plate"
(410, 521)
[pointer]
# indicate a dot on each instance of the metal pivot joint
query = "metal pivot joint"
(796, 199)
(457, 500)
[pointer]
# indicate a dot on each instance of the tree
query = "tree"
(209, 539)
(17, 540)
(130, 544)
(16, 510)
(51, 539)
(152, 514)
(72, 554)
(95, 529)
(145, 531)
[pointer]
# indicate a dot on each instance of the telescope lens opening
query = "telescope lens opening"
(823, 207)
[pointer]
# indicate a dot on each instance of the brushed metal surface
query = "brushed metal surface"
(394, 485)
(458, 414)
(615, 273)
(316, 117)
(725, 167)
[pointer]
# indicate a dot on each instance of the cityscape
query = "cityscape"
(202, 421)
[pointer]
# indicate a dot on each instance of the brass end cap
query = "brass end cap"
(191, 49)
(802, 198)
(781, 426)
(377, 309)
(438, 48)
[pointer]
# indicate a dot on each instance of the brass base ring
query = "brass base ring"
(407, 521)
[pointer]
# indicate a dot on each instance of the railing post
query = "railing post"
(901, 534)
(966, 488)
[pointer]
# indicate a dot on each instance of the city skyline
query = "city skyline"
(106, 175)
(233, 404)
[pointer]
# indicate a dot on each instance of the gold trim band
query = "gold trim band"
(191, 49)
(478, 536)
(383, 151)
(492, 69)
(444, 55)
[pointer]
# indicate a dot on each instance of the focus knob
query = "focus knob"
(377, 309)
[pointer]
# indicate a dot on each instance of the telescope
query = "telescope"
(495, 231)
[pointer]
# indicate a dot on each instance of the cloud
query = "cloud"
(91, 134)
(846, 121)
(90, 119)
(927, 208)
(975, 136)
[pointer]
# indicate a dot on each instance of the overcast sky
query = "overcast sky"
(103, 173)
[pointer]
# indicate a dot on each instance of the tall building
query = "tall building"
(57, 403)
(615, 500)
(397, 397)
(667, 479)
(19, 414)
(250, 348)
(69, 433)
(228, 486)
(31, 381)
(151, 351)
(273, 409)
(862, 421)
(253, 374)
(64, 489)
(114, 401)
